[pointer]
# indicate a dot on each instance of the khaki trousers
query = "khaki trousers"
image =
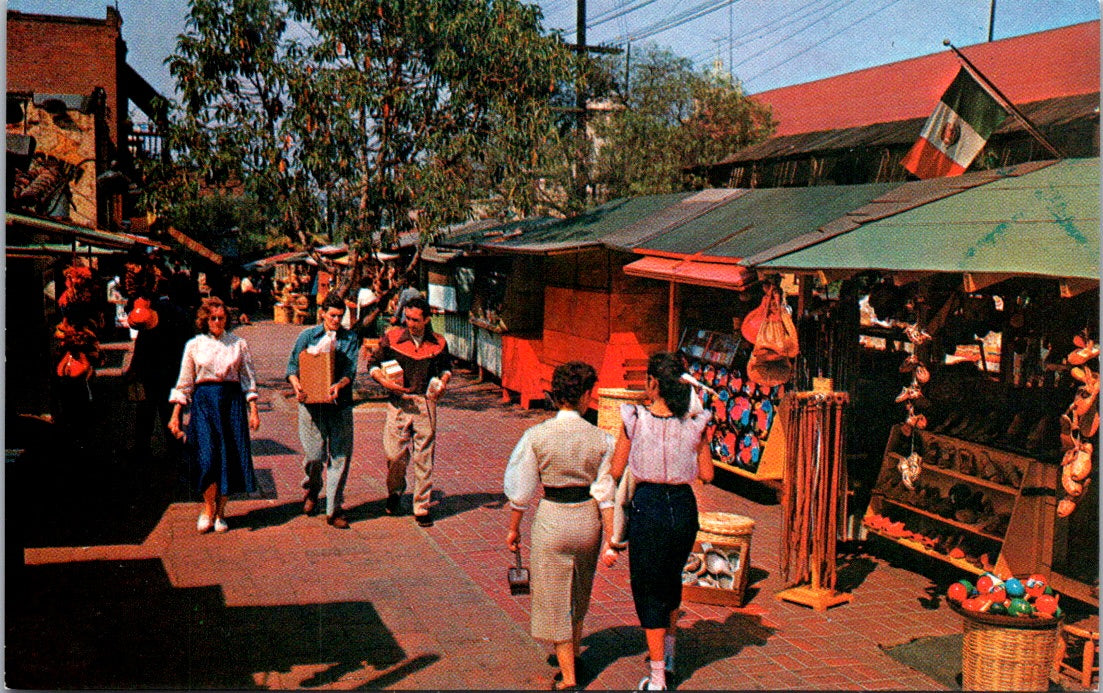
(410, 435)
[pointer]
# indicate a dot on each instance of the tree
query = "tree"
(672, 119)
(357, 120)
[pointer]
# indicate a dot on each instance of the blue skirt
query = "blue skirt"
(662, 527)
(218, 436)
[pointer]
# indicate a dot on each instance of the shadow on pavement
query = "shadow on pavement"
(699, 645)
(68, 491)
(122, 625)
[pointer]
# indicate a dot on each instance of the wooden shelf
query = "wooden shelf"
(945, 520)
(916, 546)
(975, 481)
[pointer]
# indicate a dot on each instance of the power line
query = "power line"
(825, 40)
(784, 20)
(787, 37)
(695, 12)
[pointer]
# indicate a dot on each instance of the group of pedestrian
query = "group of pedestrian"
(217, 383)
(663, 447)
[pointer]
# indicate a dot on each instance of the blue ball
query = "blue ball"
(1014, 587)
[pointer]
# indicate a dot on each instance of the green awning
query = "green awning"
(1045, 222)
(760, 219)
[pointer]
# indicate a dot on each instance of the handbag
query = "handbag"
(775, 345)
(74, 365)
(622, 500)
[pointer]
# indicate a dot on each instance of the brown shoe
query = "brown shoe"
(337, 521)
(310, 503)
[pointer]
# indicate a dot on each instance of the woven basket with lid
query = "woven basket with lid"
(725, 524)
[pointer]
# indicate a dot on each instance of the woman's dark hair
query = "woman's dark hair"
(570, 381)
(667, 368)
(204, 311)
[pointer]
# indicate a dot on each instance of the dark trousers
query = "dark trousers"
(661, 531)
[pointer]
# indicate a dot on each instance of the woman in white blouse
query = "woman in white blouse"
(571, 458)
(218, 383)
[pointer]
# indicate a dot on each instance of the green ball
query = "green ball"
(1020, 607)
(970, 589)
(1048, 590)
(997, 608)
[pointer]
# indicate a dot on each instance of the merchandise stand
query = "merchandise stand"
(813, 498)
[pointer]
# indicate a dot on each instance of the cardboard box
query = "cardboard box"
(393, 370)
(316, 375)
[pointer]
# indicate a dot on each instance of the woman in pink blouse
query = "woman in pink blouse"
(217, 381)
(665, 447)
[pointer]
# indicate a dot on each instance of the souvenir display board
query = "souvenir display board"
(743, 411)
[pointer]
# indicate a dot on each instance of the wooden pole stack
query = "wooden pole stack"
(813, 498)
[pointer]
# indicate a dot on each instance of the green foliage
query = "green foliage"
(360, 119)
(214, 217)
(672, 119)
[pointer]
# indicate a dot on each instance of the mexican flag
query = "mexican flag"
(956, 131)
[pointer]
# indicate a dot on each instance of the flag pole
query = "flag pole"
(1030, 127)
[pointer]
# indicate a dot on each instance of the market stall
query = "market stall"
(981, 319)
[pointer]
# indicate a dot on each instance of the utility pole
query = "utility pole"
(991, 20)
(580, 46)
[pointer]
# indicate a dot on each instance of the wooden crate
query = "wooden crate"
(739, 546)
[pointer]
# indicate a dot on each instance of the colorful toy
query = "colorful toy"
(1014, 588)
(1019, 597)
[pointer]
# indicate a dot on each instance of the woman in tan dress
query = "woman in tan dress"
(570, 457)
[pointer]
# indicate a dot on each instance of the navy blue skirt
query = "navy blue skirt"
(662, 527)
(218, 436)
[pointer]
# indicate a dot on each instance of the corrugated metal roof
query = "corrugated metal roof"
(667, 218)
(760, 219)
(1045, 222)
(93, 237)
(1033, 67)
(899, 199)
(1044, 114)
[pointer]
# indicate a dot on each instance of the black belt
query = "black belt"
(566, 494)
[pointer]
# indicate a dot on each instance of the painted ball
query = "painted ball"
(997, 593)
(1046, 605)
(973, 604)
(1035, 585)
(957, 592)
(969, 588)
(1014, 588)
(997, 608)
(985, 583)
(1020, 607)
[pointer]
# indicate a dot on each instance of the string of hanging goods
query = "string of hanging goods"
(813, 498)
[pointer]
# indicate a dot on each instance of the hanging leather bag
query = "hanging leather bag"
(776, 344)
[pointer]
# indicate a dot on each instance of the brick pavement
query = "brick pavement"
(284, 601)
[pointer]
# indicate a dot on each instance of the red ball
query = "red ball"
(957, 592)
(974, 604)
(984, 584)
(1046, 604)
(997, 593)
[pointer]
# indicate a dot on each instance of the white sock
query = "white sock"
(668, 652)
(658, 676)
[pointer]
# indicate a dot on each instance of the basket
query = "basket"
(731, 535)
(609, 400)
(1015, 656)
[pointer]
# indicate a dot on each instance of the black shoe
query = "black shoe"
(394, 504)
(425, 520)
(310, 503)
(337, 520)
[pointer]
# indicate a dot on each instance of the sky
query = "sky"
(765, 43)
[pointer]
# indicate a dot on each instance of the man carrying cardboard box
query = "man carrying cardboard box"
(325, 418)
(415, 380)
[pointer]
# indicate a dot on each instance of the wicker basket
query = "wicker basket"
(609, 400)
(1017, 656)
(730, 534)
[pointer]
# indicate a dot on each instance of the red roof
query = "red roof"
(1047, 64)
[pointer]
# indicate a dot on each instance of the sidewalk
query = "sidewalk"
(121, 592)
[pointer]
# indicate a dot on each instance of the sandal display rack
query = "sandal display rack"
(967, 506)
